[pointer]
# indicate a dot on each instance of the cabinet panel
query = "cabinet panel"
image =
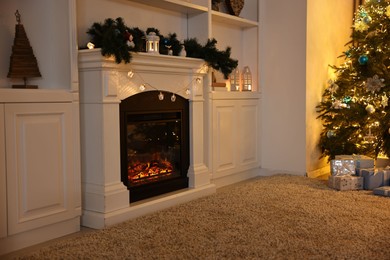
(224, 141)
(40, 184)
(248, 133)
(3, 188)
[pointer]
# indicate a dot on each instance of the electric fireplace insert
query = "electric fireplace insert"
(154, 136)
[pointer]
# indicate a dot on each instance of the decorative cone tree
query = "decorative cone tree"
(354, 108)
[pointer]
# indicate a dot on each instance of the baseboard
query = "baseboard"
(236, 177)
(38, 236)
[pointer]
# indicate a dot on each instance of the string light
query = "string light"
(186, 89)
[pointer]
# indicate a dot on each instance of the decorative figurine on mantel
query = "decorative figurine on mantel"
(23, 63)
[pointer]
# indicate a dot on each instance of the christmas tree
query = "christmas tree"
(354, 107)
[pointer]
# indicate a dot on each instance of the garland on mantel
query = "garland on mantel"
(118, 40)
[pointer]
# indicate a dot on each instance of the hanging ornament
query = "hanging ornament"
(337, 104)
(188, 91)
(370, 108)
(374, 84)
(161, 96)
(360, 26)
(388, 11)
(347, 99)
(363, 60)
(348, 53)
(385, 101)
(130, 74)
(367, 19)
(330, 134)
(173, 98)
(333, 87)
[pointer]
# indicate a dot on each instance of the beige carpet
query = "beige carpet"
(278, 217)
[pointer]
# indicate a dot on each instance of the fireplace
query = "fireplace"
(154, 137)
(105, 88)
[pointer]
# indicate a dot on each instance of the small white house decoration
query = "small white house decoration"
(235, 80)
(152, 43)
(246, 79)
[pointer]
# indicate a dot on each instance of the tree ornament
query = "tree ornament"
(388, 11)
(363, 59)
(370, 109)
(367, 19)
(333, 87)
(347, 99)
(385, 101)
(374, 84)
(330, 134)
(360, 26)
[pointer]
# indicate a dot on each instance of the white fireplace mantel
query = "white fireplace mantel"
(103, 84)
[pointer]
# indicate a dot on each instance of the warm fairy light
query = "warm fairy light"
(90, 45)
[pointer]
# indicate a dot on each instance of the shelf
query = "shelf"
(233, 20)
(174, 5)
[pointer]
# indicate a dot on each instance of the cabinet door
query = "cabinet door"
(225, 127)
(248, 134)
(39, 167)
(3, 187)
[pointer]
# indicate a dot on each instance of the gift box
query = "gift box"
(361, 161)
(382, 191)
(374, 178)
(346, 182)
(340, 167)
(382, 162)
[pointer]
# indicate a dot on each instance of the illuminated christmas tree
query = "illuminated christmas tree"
(354, 107)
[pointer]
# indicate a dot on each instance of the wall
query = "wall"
(46, 23)
(327, 34)
(283, 85)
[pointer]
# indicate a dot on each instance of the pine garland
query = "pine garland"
(118, 40)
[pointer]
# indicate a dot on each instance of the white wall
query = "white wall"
(327, 34)
(283, 85)
(46, 23)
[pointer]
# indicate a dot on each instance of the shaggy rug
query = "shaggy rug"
(277, 217)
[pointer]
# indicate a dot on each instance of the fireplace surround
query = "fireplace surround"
(104, 84)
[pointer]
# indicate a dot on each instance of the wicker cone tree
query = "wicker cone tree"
(23, 63)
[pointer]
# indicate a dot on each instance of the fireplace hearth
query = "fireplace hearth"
(154, 144)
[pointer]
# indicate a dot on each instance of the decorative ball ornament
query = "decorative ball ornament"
(367, 19)
(347, 99)
(363, 60)
(370, 108)
(330, 134)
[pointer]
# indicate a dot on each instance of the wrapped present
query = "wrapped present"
(361, 161)
(375, 178)
(340, 167)
(346, 182)
(382, 191)
(382, 162)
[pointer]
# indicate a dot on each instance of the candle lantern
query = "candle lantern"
(235, 80)
(152, 43)
(246, 79)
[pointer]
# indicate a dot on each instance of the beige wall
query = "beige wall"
(328, 30)
(283, 85)
(298, 40)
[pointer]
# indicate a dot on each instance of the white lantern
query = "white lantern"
(152, 43)
(246, 79)
(235, 80)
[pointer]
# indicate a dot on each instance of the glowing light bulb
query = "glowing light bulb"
(142, 87)
(161, 96)
(130, 74)
(173, 98)
(188, 91)
(90, 45)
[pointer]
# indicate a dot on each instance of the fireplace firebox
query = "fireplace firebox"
(154, 136)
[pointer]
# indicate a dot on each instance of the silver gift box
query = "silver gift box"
(346, 182)
(340, 167)
(361, 161)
